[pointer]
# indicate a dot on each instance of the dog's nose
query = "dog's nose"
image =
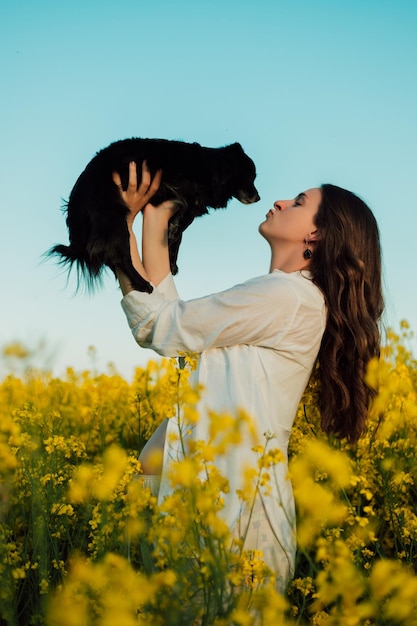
(247, 196)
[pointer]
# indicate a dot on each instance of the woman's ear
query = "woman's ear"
(314, 236)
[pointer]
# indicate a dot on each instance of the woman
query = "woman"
(258, 341)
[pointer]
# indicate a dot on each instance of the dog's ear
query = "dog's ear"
(232, 153)
(236, 147)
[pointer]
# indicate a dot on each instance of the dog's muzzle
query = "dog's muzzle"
(248, 198)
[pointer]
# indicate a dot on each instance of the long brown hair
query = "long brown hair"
(346, 265)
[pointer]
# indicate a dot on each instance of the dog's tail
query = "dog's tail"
(88, 274)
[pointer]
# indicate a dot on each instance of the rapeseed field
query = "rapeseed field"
(83, 541)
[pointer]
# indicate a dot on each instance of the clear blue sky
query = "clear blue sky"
(315, 91)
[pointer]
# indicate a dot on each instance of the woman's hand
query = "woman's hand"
(160, 214)
(155, 264)
(136, 198)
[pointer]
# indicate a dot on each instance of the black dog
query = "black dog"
(193, 177)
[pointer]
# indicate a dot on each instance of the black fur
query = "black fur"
(193, 176)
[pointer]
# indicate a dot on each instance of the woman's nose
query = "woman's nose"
(280, 205)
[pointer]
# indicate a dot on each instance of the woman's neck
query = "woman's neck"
(292, 261)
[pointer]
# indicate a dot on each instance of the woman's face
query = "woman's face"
(292, 220)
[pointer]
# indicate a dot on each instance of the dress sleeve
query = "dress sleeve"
(258, 312)
(168, 289)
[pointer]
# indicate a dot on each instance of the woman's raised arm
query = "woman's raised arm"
(155, 251)
(155, 265)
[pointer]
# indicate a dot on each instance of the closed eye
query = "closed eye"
(299, 200)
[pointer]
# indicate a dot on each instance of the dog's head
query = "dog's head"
(243, 174)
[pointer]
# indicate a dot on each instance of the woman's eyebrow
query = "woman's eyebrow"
(301, 196)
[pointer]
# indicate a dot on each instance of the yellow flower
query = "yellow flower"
(81, 485)
(183, 473)
(16, 349)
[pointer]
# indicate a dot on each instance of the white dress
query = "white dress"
(258, 342)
